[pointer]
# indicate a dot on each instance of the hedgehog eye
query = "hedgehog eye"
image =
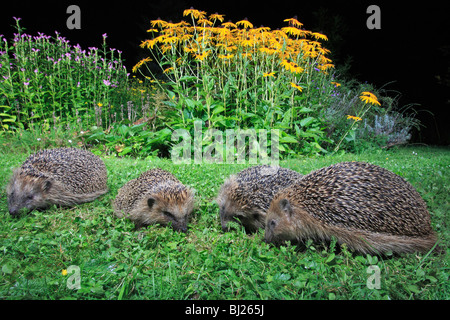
(169, 215)
(272, 224)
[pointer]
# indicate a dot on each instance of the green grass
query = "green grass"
(117, 262)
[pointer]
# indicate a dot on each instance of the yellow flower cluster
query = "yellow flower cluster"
(291, 48)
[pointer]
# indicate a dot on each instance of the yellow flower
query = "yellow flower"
(354, 118)
(194, 13)
(271, 74)
(293, 31)
(319, 36)
(205, 22)
(202, 56)
(293, 85)
(100, 104)
(230, 25)
(368, 97)
(140, 63)
(170, 40)
(158, 22)
(245, 23)
(168, 70)
(294, 22)
(268, 51)
(216, 16)
(247, 42)
(291, 66)
(228, 56)
(64, 272)
(336, 84)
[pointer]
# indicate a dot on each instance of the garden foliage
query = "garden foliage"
(226, 75)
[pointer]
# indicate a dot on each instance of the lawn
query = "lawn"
(115, 261)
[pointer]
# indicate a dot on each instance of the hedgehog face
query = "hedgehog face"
(167, 213)
(165, 209)
(250, 218)
(280, 226)
(27, 193)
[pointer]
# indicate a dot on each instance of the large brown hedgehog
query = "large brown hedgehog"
(65, 177)
(245, 197)
(156, 196)
(369, 208)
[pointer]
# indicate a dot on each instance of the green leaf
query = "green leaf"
(288, 139)
(307, 121)
(7, 269)
(330, 258)
(305, 110)
(218, 109)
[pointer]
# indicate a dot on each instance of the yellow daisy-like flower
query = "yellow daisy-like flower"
(168, 70)
(158, 22)
(140, 63)
(319, 36)
(245, 23)
(336, 84)
(291, 66)
(205, 22)
(225, 57)
(202, 56)
(354, 118)
(230, 25)
(293, 31)
(216, 16)
(294, 22)
(64, 272)
(194, 13)
(368, 97)
(271, 74)
(293, 85)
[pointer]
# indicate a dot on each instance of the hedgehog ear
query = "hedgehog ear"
(150, 202)
(285, 206)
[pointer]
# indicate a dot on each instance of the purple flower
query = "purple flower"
(104, 36)
(26, 83)
(107, 83)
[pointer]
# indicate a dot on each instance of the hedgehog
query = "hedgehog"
(63, 177)
(369, 208)
(155, 197)
(245, 197)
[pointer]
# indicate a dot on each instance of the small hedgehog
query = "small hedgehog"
(156, 196)
(65, 177)
(245, 197)
(367, 207)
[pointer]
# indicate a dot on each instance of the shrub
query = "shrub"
(234, 75)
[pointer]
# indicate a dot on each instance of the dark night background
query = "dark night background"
(412, 49)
